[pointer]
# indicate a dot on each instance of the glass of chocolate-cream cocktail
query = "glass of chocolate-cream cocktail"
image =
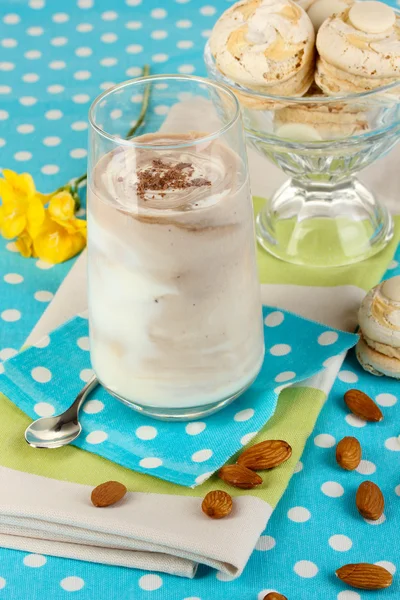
(174, 300)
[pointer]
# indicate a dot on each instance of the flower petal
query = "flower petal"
(24, 244)
(22, 183)
(62, 206)
(7, 194)
(54, 244)
(12, 223)
(35, 216)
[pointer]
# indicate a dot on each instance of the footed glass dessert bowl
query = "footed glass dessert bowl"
(322, 216)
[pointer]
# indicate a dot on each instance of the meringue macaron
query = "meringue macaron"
(378, 349)
(320, 10)
(359, 49)
(266, 45)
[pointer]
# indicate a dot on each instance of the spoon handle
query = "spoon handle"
(73, 410)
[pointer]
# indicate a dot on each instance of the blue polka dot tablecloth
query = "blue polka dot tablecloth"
(295, 350)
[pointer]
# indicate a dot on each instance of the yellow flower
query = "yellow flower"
(24, 245)
(22, 208)
(61, 235)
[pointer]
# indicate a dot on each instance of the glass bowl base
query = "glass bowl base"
(319, 225)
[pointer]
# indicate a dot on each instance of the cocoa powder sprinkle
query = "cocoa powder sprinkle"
(163, 176)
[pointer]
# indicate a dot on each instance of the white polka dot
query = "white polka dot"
(11, 315)
(202, 455)
(42, 264)
(81, 98)
(134, 71)
(397, 490)
(184, 24)
(108, 62)
(5, 89)
(53, 115)
(35, 31)
(161, 109)
(324, 440)
(44, 409)
(1, 372)
(185, 44)
(36, 4)
(159, 34)
(52, 141)
(354, 421)
(34, 560)
(389, 566)
(208, 11)
(23, 155)
(84, 27)
(2, 583)
(274, 319)
(33, 54)
(298, 467)
(332, 489)
(203, 477)
(59, 41)
(109, 15)
(392, 444)
(9, 43)
(78, 153)
(393, 265)
(92, 407)
(280, 349)
(50, 169)
(83, 343)
(150, 582)
(27, 100)
(43, 296)
(186, 69)
(13, 278)
(379, 521)
(158, 13)
(6, 66)
(159, 58)
(43, 342)
(265, 543)
(348, 377)
(328, 338)
(86, 374)
(244, 415)
(366, 467)
(150, 463)
(55, 89)
(96, 437)
(195, 428)
(340, 543)
(146, 432)
(85, 4)
(134, 25)
(82, 75)
(109, 38)
(133, 2)
(60, 17)
(106, 85)
(299, 514)
(41, 374)
(72, 584)
(116, 113)
(248, 437)
(348, 595)
(79, 125)
(83, 52)
(30, 77)
(11, 247)
(3, 115)
(134, 49)
(386, 399)
(285, 376)
(11, 19)
(25, 128)
(225, 576)
(57, 65)
(7, 353)
(305, 568)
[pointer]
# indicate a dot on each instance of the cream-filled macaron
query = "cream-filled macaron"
(266, 45)
(378, 350)
(359, 50)
(320, 10)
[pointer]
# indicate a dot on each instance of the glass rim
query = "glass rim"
(356, 96)
(158, 78)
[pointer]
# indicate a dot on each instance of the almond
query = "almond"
(365, 576)
(348, 453)
(217, 504)
(363, 406)
(239, 477)
(265, 455)
(274, 596)
(370, 501)
(108, 493)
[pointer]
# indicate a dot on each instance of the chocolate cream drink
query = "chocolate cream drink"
(175, 309)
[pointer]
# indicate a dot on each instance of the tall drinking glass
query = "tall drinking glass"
(174, 300)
